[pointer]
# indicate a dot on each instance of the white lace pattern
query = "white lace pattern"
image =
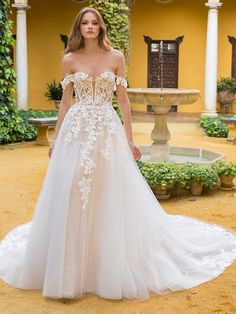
(94, 111)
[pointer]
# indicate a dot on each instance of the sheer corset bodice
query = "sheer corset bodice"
(94, 90)
(91, 122)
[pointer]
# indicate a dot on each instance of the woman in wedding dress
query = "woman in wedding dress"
(97, 227)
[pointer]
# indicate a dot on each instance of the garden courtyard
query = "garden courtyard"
(23, 167)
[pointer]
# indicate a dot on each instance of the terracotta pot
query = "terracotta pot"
(161, 193)
(226, 181)
(196, 188)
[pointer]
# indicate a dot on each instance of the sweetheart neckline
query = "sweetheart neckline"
(93, 77)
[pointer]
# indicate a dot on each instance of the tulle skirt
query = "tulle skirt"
(98, 229)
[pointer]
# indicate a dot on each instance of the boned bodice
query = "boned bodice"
(94, 90)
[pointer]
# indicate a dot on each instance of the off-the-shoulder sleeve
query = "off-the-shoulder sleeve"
(67, 80)
(120, 80)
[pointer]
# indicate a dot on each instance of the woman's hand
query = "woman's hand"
(135, 150)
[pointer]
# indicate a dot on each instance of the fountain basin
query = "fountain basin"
(181, 155)
(161, 101)
(163, 97)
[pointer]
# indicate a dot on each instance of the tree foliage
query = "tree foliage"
(115, 15)
(7, 73)
(13, 127)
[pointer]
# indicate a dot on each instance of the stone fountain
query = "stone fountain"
(161, 100)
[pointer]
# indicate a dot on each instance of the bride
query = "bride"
(97, 227)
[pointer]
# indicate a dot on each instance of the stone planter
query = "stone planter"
(57, 103)
(226, 181)
(226, 99)
(196, 188)
(161, 193)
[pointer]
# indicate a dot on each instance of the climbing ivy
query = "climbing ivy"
(115, 15)
(7, 73)
(13, 127)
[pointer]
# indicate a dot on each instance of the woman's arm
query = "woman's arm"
(65, 102)
(124, 105)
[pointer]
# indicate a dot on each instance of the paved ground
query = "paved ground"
(22, 171)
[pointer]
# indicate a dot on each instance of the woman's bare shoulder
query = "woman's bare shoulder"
(118, 58)
(71, 60)
(117, 54)
(69, 57)
(67, 63)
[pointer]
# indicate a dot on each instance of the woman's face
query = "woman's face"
(89, 26)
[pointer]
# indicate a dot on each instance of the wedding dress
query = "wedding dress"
(97, 227)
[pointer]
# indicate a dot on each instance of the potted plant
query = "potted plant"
(227, 172)
(161, 177)
(54, 92)
(196, 177)
(226, 88)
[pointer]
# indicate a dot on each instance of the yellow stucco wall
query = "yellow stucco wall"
(168, 21)
(47, 19)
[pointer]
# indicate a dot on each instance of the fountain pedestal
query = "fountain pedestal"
(160, 152)
(160, 133)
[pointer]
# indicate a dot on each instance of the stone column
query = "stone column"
(211, 61)
(21, 54)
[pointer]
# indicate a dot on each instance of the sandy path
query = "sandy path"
(22, 171)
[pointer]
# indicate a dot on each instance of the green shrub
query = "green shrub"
(225, 168)
(14, 127)
(162, 174)
(226, 84)
(26, 114)
(175, 177)
(207, 176)
(230, 115)
(213, 127)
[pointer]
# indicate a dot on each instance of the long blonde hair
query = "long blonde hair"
(76, 40)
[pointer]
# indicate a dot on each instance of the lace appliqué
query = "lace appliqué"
(106, 153)
(73, 122)
(15, 243)
(85, 189)
(69, 78)
(120, 80)
(214, 259)
(91, 117)
(96, 122)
